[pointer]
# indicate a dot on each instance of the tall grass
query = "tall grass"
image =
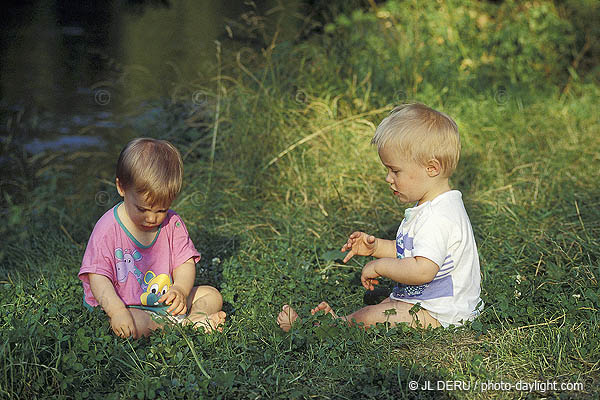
(293, 174)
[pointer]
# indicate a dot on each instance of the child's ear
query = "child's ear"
(433, 168)
(119, 188)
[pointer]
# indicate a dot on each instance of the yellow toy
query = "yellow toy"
(158, 285)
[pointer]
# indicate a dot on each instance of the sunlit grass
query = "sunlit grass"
(293, 175)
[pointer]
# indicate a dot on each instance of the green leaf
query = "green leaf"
(333, 255)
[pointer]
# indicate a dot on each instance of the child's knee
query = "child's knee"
(209, 296)
(215, 296)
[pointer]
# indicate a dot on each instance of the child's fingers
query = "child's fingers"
(173, 306)
(348, 256)
(166, 298)
(122, 331)
(177, 309)
(133, 332)
(172, 301)
(364, 282)
(347, 245)
(369, 283)
(127, 332)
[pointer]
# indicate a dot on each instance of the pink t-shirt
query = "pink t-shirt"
(140, 274)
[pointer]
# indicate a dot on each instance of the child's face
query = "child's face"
(146, 217)
(409, 181)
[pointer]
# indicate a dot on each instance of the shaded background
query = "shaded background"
(67, 68)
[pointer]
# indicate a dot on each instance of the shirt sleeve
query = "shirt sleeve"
(432, 238)
(97, 259)
(182, 246)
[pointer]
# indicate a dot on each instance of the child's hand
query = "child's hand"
(361, 244)
(176, 299)
(122, 324)
(369, 276)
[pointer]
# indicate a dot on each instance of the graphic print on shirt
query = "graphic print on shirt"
(125, 264)
(157, 286)
(404, 242)
(441, 286)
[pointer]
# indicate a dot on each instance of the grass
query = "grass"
(293, 174)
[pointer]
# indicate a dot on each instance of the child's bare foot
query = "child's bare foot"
(286, 318)
(326, 308)
(210, 323)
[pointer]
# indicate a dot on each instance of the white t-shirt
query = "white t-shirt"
(440, 230)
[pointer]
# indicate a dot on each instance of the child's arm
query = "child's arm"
(363, 244)
(183, 282)
(104, 292)
(409, 271)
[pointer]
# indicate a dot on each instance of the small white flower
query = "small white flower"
(518, 279)
(577, 296)
(517, 294)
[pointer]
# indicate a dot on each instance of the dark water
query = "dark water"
(71, 70)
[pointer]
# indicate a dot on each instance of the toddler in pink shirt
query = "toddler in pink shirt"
(140, 260)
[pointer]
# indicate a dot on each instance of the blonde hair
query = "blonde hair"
(152, 167)
(421, 134)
